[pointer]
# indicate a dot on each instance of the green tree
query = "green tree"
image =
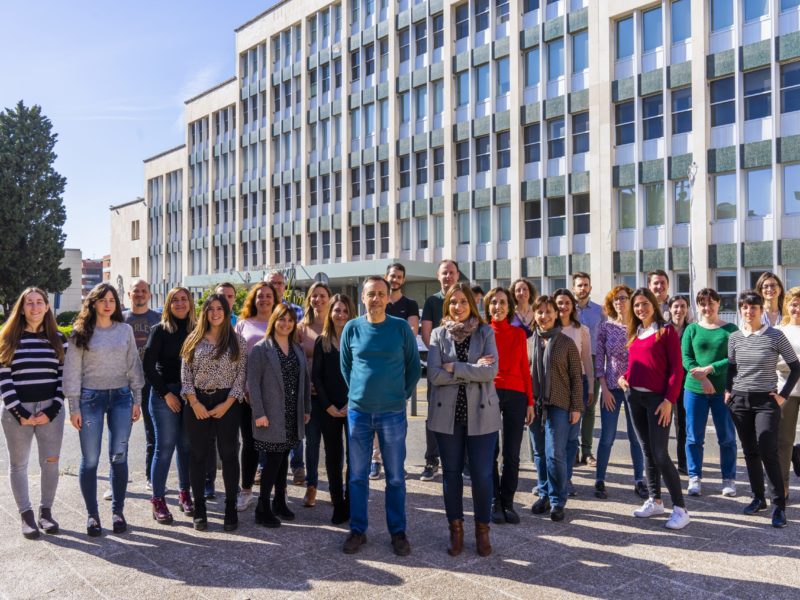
(241, 294)
(31, 205)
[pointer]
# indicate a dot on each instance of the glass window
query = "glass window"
(728, 289)
(530, 5)
(422, 233)
(421, 160)
(626, 131)
(682, 111)
(501, 8)
(556, 217)
(438, 31)
(481, 15)
(651, 29)
(759, 193)
(482, 83)
(404, 43)
(652, 117)
(681, 20)
(405, 235)
(626, 208)
(438, 164)
(786, 5)
(755, 9)
(721, 14)
(725, 196)
(355, 124)
(555, 138)
(580, 51)
(369, 231)
(580, 214)
(757, 86)
(420, 35)
(532, 67)
(503, 77)
(369, 59)
(355, 181)
(384, 167)
(421, 96)
(462, 159)
(533, 220)
(791, 189)
(555, 59)
(723, 109)
(482, 157)
(438, 224)
(405, 107)
(532, 145)
(484, 218)
(504, 225)
(580, 133)
(463, 228)
(462, 88)
(355, 65)
(462, 21)
(790, 87)
(654, 204)
(681, 201)
(624, 38)
(369, 177)
(438, 97)
(404, 163)
(503, 150)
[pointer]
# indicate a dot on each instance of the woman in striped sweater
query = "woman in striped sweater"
(31, 366)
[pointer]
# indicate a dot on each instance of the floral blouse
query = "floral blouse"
(206, 372)
(611, 360)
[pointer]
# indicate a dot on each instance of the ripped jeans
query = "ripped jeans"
(116, 407)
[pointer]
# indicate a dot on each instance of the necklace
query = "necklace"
(525, 317)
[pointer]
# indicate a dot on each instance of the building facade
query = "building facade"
(91, 274)
(128, 259)
(71, 298)
(530, 138)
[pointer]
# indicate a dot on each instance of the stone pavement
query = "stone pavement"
(600, 551)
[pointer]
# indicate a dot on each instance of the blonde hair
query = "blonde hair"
(791, 295)
(329, 329)
(309, 314)
(168, 319)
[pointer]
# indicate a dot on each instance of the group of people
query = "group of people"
(250, 389)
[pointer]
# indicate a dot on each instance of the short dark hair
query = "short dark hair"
(708, 294)
(751, 297)
(581, 275)
(398, 266)
(371, 278)
(225, 284)
(448, 260)
(658, 273)
(476, 289)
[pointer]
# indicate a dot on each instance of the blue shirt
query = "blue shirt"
(591, 315)
(380, 364)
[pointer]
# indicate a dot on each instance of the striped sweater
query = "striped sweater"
(753, 358)
(34, 375)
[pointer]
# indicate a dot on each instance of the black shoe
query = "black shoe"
(778, 517)
(512, 518)
(280, 508)
(341, 514)
(200, 522)
(118, 523)
(429, 472)
(400, 544)
(93, 526)
(231, 521)
(498, 515)
(796, 459)
(600, 490)
(29, 529)
(557, 513)
(265, 516)
(353, 542)
(757, 505)
(46, 521)
(641, 490)
(541, 506)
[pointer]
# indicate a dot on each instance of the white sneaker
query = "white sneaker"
(694, 486)
(729, 487)
(244, 501)
(678, 519)
(650, 508)
(148, 485)
(108, 495)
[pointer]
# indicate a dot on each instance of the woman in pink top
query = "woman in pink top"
(652, 382)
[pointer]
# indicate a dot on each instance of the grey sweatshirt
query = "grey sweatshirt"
(110, 362)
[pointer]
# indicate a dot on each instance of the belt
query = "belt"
(210, 391)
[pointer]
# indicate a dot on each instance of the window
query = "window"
(404, 165)
(504, 223)
(462, 21)
(421, 160)
(355, 14)
(462, 159)
(651, 30)
(337, 186)
(355, 66)
(653, 117)
(438, 225)
(438, 31)
(755, 9)
(421, 97)
(555, 138)
(422, 233)
(326, 78)
(405, 235)
(556, 217)
(555, 59)
(355, 125)
(580, 214)
(355, 241)
(723, 109)
(757, 85)
(503, 77)
(580, 51)
(369, 235)
(337, 73)
(420, 36)
(533, 220)
(312, 83)
(482, 83)
(626, 208)
(725, 196)
(759, 193)
(369, 178)
(312, 191)
(727, 288)
(721, 14)
(481, 15)
(384, 166)
(791, 189)
(532, 67)
(135, 266)
(463, 228)
(654, 204)
(369, 59)
(405, 107)
(135, 229)
(355, 181)
(482, 157)
(383, 48)
(484, 219)
(438, 97)
(786, 5)
(532, 146)
(438, 164)
(626, 131)
(580, 133)
(682, 111)
(530, 5)
(681, 201)
(681, 20)
(404, 43)
(462, 88)
(503, 150)
(624, 38)
(790, 87)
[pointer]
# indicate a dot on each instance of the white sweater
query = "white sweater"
(792, 332)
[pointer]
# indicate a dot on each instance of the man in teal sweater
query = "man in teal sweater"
(380, 364)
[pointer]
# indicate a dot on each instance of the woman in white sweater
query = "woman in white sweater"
(790, 326)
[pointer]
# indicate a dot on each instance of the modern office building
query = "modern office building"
(529, 138)
(128, 260)
(91, 274)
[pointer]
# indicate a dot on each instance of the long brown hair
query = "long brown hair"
(277, 315)
(249, 309)
(635, 322)
(329, 329)
(227, 341)
(16, 323)
(309, 314)
(86, 320)
(169, 320)
(573, 314)
(464, 288)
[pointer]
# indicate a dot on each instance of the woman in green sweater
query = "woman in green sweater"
(705, 357)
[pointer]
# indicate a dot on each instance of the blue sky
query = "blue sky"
(112, 77)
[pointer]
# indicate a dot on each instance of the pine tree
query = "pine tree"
(32, 213)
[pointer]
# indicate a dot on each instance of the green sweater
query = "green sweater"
(701, 347)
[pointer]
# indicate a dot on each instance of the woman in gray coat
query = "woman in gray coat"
(279, 386)
(464, 411)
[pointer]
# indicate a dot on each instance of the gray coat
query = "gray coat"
(483, 405)
(267, 395)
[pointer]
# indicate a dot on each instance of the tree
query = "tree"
(31, 205)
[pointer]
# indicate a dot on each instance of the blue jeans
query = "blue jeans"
(169, 438)
(391, 428)
(575, 433)
(697, 408)
(550, 453)
(313, 436)
(296, 456)
(608, 433)
(481, 449)
(116, 406)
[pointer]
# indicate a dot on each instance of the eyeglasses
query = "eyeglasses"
(621, 299)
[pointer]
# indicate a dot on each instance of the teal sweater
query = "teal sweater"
(702, 347)
(380, 364)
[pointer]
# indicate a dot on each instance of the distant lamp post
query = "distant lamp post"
(691, 174)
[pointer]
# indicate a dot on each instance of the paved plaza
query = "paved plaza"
(600, 550)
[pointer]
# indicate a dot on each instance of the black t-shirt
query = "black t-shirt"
(434, 309)
(403, 308)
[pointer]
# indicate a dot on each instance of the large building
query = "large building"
(127, 261)
(529, 138)
(91, 274)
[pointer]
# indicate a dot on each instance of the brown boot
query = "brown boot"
(482, 539)
(310, 499)
(456, 537)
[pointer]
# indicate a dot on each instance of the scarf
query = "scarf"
(541, 366)
(461, 330)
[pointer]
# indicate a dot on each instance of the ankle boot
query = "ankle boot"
(200, 519)
(46, 521)
(231, 516)
(456, 537)
(29, 528)
(265, 516)
(279, 506)
(482, 543)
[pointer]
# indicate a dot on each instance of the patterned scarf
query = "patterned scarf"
(460, 330)
(541, 365)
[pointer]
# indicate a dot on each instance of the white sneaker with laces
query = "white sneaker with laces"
(694, 486)
(244, 501)
(678, 519)
(650, 508)
(729, 488)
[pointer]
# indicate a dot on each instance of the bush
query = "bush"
(65, 329)
(66, 317)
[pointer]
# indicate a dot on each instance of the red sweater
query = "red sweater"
(656, 364)
(514, 372)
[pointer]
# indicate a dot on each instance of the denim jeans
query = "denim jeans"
(550, 453)
(608, 433)
(697, 408)
(313, 435)
(170, 437)
(574, 442)
(115, 406)
(149, 432)
(480, 449)
(391, 428)
(296, 456)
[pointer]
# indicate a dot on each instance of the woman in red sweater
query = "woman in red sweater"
(514, 388)
(653, 382)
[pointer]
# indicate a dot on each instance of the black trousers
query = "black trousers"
(431, 445)
(337, 447)
(149, 431)
(757, 418)
(680, 430)
(274, 476)
(654, 439)
(513, 407)
(226, 432)
(249, 455)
